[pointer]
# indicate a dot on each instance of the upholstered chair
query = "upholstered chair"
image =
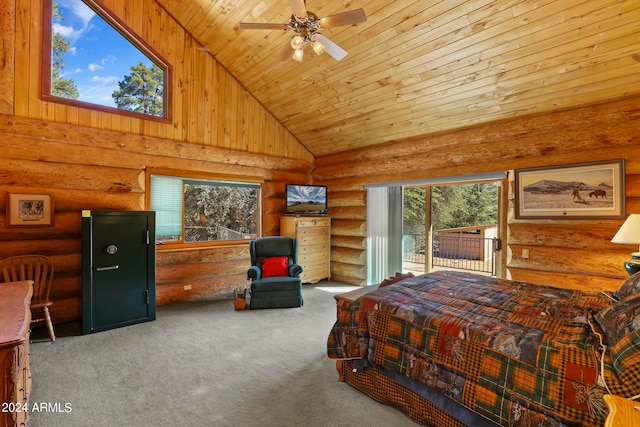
(275, 273)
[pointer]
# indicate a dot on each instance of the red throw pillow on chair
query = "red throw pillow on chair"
(275, 266)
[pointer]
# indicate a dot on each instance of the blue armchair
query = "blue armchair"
(267, 289)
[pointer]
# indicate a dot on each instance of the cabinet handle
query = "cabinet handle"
(111, 267)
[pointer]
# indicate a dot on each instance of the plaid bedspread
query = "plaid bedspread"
(517, 353)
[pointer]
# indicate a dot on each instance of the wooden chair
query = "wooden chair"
(39, 269)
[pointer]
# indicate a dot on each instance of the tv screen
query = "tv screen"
(306, 199)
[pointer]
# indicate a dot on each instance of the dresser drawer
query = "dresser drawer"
(314, 222)
(312, 232)
(305, 242)
(320, 258)
(311, 249)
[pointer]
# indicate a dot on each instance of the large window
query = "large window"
(196, 210)
(93, 58)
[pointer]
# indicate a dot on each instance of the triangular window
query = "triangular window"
(93, 59)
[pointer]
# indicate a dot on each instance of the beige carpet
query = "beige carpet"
(203, 364)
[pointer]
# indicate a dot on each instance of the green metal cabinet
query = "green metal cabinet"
(118, 269)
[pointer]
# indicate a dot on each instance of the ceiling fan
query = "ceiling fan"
(307, 26)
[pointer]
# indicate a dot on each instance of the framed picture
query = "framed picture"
(578, 191)
(25, 209)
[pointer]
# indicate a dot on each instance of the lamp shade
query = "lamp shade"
(318, 48)
(297, 42)
(629, 233)
(298, 55)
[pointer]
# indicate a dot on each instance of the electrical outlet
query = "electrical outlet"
(525, 253)
(187, 287)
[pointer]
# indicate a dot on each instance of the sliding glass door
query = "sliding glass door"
(435, 224)
(453, 226)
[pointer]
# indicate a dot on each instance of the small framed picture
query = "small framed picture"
(26, 209)
(577, 191)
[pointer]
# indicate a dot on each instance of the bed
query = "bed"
(457, 349)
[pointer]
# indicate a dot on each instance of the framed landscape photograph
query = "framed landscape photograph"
(25, 209)
(578, 191)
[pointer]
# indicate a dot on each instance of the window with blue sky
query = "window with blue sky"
(92, 62)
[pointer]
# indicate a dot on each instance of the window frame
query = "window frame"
(127, 33)
(205, 176)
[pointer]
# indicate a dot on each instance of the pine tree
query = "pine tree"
(142, 91)
(65, 88)
(452, 206)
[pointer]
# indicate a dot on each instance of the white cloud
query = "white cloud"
(105, 79)
(66, 31)
(109, 59)
(94, 67)
(79, 10)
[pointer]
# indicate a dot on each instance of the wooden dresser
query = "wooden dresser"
(15, 377)
(314, 244)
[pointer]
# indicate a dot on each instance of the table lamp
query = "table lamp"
(629, 234)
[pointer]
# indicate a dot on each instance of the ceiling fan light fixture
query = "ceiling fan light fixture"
(297, 42)
(307, 27)
(298, 55)
(318, 48)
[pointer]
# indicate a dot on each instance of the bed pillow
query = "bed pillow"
(621, 324)
(629, 287)
(275, 266)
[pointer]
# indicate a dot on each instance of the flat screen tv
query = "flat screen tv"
(306, 199)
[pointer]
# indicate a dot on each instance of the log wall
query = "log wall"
(567, 253)
(94, 169)
(92, 159)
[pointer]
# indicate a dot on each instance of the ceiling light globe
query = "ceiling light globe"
(296, 42)
(298, 55)
(318, 48)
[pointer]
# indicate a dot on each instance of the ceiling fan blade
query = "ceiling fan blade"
(286, 52)
(298, 7)
(331, 48)
(344, 18)
(261, 26)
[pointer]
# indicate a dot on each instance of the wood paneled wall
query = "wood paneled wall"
(570, 253)
(209, 107)
(7, 48)
(95, 160)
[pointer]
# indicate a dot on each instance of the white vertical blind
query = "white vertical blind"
(384, 233)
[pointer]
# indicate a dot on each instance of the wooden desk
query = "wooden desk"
(622, 412)
(15, 384)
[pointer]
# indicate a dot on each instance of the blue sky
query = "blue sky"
(99, 56)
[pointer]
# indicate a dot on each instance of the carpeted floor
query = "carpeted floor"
(202, 364)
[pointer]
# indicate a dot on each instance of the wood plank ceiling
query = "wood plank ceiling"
(421, 67)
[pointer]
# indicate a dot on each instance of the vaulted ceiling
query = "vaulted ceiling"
(421, 67)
